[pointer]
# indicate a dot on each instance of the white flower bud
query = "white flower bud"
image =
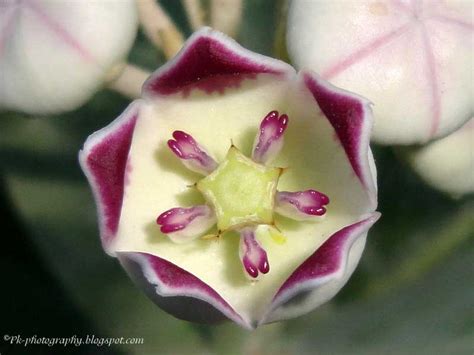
(448, 164)
(54, 55)
(413, 60)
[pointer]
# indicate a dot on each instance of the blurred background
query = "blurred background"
(412, 293)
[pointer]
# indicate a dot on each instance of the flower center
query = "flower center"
(241, 194)
(241, 191)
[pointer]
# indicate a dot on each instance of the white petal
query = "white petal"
(323, 274)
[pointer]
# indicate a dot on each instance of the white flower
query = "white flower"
(221, 111)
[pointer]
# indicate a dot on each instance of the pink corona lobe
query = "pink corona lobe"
(192, 155)
(177, 219)
(254, 257)
(309, 202)
(269, 140)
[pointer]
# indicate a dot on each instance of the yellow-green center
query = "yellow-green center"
(241, 191)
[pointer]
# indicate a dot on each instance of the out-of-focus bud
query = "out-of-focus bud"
(54, 55)
(412, 59)
(448, 164)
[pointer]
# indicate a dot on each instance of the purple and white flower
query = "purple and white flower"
(235, 184)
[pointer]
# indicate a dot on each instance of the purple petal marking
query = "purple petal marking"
(332, 261)
(351, 118)
(185, 224)
(253, 256)
(301, 204)
(164, 282)
(212, 62)
(269, 139)
(192, 155)
(104, 162)
(326, 260)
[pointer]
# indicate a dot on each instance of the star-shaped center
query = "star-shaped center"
(241, 191)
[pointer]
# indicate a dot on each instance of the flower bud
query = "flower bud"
(448, 163)
(54, 55)
(412, 59)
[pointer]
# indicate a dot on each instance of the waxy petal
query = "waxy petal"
(301, 205)
(269, 139)
(253, 257)
(210, 61)
(323, 274)
(104, 160)
(185, 224)
(177, 291)
(351, 117)
(192, 155)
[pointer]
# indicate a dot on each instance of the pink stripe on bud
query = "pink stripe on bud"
(269, 140)
(301, 205)
(252, 255)
(185, 224)
(193, 156)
